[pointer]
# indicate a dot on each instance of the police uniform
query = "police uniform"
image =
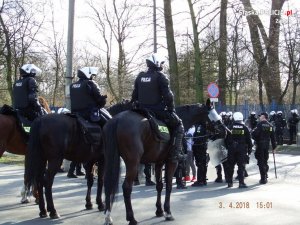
(280, 124)
(87, 101)
(152, 92)
(293, 122)
(239, 144)
(25, 98)
(200, 153)
(252, 121)
(262, 135)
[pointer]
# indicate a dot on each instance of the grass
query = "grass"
(12, 159)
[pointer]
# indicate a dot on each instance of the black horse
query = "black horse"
(55, 137)
(130, 136)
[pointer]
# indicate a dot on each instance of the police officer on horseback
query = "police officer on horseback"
(262, 135)
(239, 145)
(86, 99)
(152, 92)
(25, 90)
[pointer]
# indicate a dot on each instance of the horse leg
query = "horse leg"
(99, 201)
(170, 170)
(49, 178)
(40, 189)
(159, 186)
(127, 189)
(90, 182)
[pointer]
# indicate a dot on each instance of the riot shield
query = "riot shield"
(217, 151)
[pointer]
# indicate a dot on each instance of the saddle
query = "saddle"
(158, 127)
(91, 132)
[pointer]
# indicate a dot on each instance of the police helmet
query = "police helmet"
(253, 113)
(294, 111)
(29, 70)
(229, 114)
(87, 72)
(155, 61)
(265, 115)
(222, 113)
(238, 116)
(279, 113)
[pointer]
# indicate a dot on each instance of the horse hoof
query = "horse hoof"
(25, 201)
(43, 214)
(169, 217)
(159, 213)
(54, 215)
(89, 206)
(101, 207)
(133, 222)
(108, 221)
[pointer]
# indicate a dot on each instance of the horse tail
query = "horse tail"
(33, 159)
(112, 162)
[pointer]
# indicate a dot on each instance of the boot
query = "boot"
(230, 184)
(193, 179)
(180, 183)
(149, 182)
(199, 184)
(242, 185)
(219, 174)
(176, 151)
(263, 175)
(72, 170)
(246, 173)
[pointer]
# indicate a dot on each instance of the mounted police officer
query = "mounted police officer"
(152, 92)
(280, 124)
(199, 148)
(239, 145)
(25, 90)
(262, 135)
(292, 123)
(86, 99)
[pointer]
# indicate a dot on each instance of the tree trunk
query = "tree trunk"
(223, 52)
(174, 79)
(269, 69)
(197, 69)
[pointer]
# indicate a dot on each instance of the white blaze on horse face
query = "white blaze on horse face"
(214, 116)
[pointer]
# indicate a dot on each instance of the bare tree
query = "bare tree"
(266, 53)
(20, 27)
(171, 50)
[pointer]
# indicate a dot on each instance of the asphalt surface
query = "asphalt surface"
(277, 202)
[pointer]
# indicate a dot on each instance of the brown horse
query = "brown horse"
(55, 137)
(13, 137)
(129, 135)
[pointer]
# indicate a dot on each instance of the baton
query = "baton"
(274, 165)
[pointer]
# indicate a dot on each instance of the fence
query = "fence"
(246, 108)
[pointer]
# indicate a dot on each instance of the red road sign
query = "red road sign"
(213, 90)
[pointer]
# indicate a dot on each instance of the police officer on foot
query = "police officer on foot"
(239, 145)
(262, 135)
(86, 99)
(152, 92)
(292, 123)
(280, 124)
(25, 90)
(200, 153)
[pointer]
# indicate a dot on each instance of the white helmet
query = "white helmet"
(272, 113)
(229, 114)
(87, 72)
(238, 116)
(155, 60)
(294, 111)
(222, 113)
(278, 112)
(29, 69)
(63, 110)
(253, 113)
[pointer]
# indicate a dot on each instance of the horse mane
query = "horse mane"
(119, 107)
(187, 107)
(44, 104)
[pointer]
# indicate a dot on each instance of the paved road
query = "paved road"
(194, 206)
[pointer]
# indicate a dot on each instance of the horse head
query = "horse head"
(120, 107)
